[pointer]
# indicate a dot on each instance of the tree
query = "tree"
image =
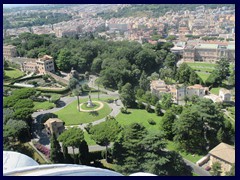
(23, 114)
(73, 82)
(155, 158)
(158, 110)
(144, 83)
(72, 137)
(127, 95)
(105, 132)
(212, 117)
(183, 73)
(6, 65)
(188, 130)
(216, 169)
(23, 103)
(194, 78)
(84, 153)
(56, 155)
(176, 165)
(148, 108)
(223, 68)
(128, 150)
(16, 130)
(167, 124)
(77, 92)
(171, 60)
(166, 100)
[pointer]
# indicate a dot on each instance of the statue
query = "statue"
(89, 103)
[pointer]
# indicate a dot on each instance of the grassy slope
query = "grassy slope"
(13, 73)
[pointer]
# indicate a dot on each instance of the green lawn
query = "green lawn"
(202, 66)
(43, 105)
(13, 73)
(139, 116)
(193, 158)
(215, 90)
(203, 75)
(88, 139)
(71, 116)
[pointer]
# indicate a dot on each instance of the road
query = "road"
(198, 170)
(116, 109)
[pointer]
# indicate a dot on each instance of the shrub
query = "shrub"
(148, 108)
(124, 110)
(151, 121)
(109, 100)
(140, 105)
(88, 127)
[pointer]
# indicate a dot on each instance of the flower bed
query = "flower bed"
(42, 149)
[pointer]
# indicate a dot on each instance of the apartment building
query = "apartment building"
(158, 88)
(209, 52)
(39, 66)
(9, 51)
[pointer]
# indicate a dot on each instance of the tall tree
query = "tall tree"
(144, 83)
(167, 124)
(223, 68)
(188, 130)
(56, 155)
(166, 100)
(105, 132)
(158, 110)
(127, 95)
(72, 137)
(128, 150)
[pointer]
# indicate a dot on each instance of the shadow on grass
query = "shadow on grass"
(94, 113)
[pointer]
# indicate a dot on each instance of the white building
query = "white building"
(225, 95)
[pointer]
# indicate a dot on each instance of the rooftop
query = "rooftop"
(224, 152)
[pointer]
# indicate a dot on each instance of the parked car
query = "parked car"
(208, 168)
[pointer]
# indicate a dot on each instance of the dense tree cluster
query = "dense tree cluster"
(117, 63)
(199, 127)
(139, 151)
(17, 118)
(38, 19)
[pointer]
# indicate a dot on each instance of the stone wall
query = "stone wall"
(57, 78)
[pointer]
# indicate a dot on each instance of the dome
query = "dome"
(13, 160)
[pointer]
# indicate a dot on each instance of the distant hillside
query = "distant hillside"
(154, 10)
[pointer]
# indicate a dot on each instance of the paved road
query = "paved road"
(116, 109)
(198, 170)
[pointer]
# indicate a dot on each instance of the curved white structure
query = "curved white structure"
(17, 164)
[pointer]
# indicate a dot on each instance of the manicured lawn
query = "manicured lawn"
(202, 66)
(71, 116)
(139, 116)
(13, 73)
(88, 139)
(43, 105)
(215, 90)
(193, 158)
(203, 75)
